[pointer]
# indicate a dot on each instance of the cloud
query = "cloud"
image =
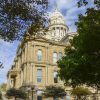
(70, 10)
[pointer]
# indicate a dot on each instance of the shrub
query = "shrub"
(16, 93)
(81, 92)
(53, 91)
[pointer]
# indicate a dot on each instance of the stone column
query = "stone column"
(25, 54)
(28, 72)
(22, 57)
(22, 76)
(34, 54)
(28, 52)
(8, 83)
(32, 73)
(24, 73)
(31, 54)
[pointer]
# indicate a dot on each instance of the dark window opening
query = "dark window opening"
(39, 97)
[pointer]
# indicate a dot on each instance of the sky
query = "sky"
(70, 12)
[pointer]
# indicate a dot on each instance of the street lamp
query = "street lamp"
(32, 91)
(28, 89)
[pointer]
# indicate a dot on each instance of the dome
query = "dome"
(56, 18)
(57, 26)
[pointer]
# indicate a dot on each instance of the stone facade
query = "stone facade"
(36, 57)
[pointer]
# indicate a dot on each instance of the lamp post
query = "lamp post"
(32, 92)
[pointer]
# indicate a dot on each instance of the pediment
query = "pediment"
(42, 39)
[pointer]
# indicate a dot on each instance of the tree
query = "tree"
(54, 91)
(85, 2)
(18, 15)
(1, 65)
(82, 60)
(16, 93)
(3, 86)
(81, 93)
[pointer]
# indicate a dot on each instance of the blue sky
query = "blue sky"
(70, 11)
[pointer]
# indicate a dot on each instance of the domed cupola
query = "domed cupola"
(56, 18)
(57, 26)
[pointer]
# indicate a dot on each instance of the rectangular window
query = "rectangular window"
(39, 75)
(39, 55)
(54, 57)
(55, 98)
(39, 97)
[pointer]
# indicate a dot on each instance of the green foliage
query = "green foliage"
(85, 2)
(1, 65)
(80, 91)
(53, 91)
(3, 86)
(81, 63)
(88, 29)
(17, 15)
(16, 93)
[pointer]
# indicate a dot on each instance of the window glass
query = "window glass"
(39, 97)
(60, 55)
(62, 98)
(54, 57)
(39, 55)
(55, 98)
(39, 75)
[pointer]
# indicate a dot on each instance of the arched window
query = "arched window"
(39, 55)
(54, 57)
(60, 55)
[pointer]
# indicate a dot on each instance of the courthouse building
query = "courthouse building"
(36, 58)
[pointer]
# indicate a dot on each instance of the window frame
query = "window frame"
(39, 77)
(60, 55)
(55, 58)
(39, 56)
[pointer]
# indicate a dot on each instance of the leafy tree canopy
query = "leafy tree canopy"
(3, 86)
(17, 15)
(85, 2)
(80, 65)
(1, 65)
